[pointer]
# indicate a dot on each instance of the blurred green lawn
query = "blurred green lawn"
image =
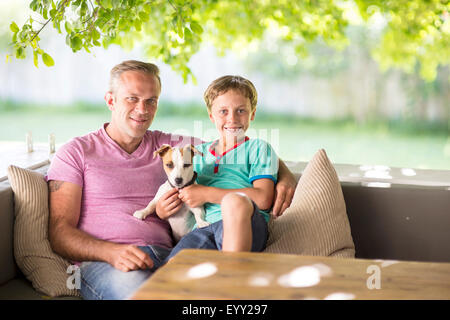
(298, 139)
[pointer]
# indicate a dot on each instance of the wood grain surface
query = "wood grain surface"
(209, 274)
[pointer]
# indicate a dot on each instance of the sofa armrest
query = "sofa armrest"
(7, 264)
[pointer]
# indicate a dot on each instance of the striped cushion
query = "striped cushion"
(316, 223)
(32, 251)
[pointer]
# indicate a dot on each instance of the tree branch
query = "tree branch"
(61, 4)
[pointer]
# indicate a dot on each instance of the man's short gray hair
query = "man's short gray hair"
(132, 65)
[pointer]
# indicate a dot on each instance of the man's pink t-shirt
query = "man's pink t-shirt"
(116, 184)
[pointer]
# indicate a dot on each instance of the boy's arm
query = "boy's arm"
(262, 194)
(284, 189)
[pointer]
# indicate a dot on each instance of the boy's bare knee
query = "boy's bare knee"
(235, 204)
(235, 199)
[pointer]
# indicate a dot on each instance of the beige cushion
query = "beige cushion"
(34, 256)
(316, 223)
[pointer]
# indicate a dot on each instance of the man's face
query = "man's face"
(133, 105)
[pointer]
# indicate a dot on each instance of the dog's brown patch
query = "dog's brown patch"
(162, 150)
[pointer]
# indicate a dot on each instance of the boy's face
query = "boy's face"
(231, 113)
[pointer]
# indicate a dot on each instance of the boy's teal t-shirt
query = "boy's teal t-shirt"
(235, 169)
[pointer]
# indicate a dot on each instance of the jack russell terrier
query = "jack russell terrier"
(179, 169)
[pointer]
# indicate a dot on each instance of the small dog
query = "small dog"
(179, 169)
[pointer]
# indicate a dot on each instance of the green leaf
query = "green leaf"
(180, 28)
(33, 5)
(123, 23)
(35, 58)
(20, 53)
(138, 25)
(13, 26)
(76, 43)
(83, 9)
(115, 3)
(106, 4)
(116, 14)
(68, 27)
(187, 34)
(415, 35)
(53, 13)
(95, 34)
(147, 8)
(143, 16)
(196, 28)
(48, 61)
(100, 22)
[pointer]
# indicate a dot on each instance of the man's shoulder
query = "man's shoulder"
(158, 135)
(81, 143)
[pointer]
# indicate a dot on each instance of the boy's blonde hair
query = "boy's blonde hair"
(132, 65)
(225, 83)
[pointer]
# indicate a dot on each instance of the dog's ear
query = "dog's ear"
(161, 151)
(194, 150)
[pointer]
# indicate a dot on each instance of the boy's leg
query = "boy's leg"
(200, 238)
(244, 228)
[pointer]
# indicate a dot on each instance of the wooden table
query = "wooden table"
(208, 274)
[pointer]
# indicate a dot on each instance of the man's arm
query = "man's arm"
(284, 189)
(70, 242)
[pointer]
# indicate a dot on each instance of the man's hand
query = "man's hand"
(168, 204)
(125, 257)
(194, 195)
(284, 190)
(283, 198)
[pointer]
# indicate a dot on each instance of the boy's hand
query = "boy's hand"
(168, 204)
(193, 195)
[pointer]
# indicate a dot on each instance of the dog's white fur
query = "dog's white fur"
(179, 169)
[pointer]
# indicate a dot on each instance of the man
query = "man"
(97, 181)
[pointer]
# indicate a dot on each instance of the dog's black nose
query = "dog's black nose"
(178, 180)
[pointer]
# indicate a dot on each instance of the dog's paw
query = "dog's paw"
(203, 224)
(140, 214)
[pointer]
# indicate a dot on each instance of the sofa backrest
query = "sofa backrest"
(400, 222)
(397, 223)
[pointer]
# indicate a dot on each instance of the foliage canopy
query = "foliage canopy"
(411, 33)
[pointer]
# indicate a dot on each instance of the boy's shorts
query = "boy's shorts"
(211, 237)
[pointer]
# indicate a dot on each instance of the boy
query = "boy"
(236, 175)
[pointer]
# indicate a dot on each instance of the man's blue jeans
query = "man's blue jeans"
(100, 280)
